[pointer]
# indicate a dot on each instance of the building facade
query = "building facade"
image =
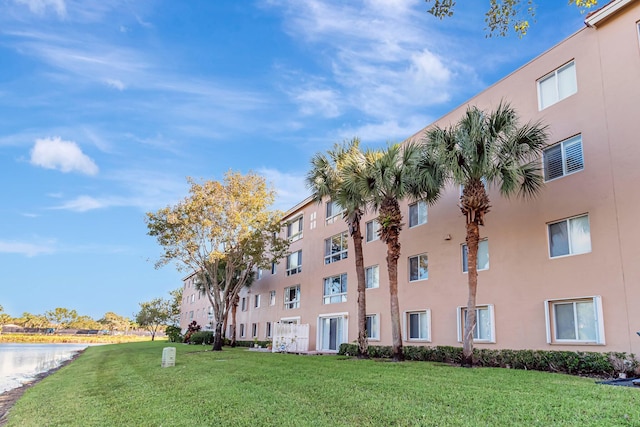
(560, 272)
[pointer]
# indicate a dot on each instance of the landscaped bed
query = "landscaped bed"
(124, 385)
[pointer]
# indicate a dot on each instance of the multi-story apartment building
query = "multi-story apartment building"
(561, 272)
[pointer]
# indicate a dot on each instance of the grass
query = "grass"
(67, 339)
(124, 385)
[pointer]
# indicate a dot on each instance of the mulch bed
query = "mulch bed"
(10, 397)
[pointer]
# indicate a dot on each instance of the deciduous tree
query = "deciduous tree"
(60, 317)
(153, 315)
(221, 222)
(503, 15)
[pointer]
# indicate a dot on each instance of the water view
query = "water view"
(20, 363)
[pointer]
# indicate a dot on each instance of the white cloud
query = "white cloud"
(28, 249)
(290, 187)
(66, 156)
(381, 57)
(115, 83)
(314, 101)
(82, 204)
(40, 7)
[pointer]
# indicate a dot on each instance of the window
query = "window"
(334, 211)
(563, 158)
(292, 297)
(272, 298)
(418, 268)
(372, 228)
(273, 268)
(294, 263)
(417, 325)
(294, 229)
(191, 315)
(243, 304)
(570, 236)
(576, 320)
(256, 301)
(557, 85)
(373, 327)
(417, 214)
(254, 330)
(484, 330)
(372, 277)
(242, 331)
(335, 289)
(268, 333)
(483, 256)
(259, 274)
(335, 248)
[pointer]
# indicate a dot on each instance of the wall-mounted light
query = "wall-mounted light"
(447, 237)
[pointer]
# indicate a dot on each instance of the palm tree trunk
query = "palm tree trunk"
(473, 239)
(363, 345)
(217, 337)
(390, 219)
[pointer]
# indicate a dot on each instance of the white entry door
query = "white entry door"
(331, 333)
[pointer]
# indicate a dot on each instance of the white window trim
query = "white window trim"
(257, 330)
(405, 325)
(343, 295)
(333, 218)
(375, 236)
(268, 330)
(555, 73)
(365, 276)
(272, 300)
(597, 300)
(426, 214)
(460, 323)
(561, 220)
(342, 254)
(563, 153)
(243, 330)
(462, 245)
(286, 303)
(377, 330)
(292, 319)
(256, 301)
(298, 234)
(297, 269)
(409, 267)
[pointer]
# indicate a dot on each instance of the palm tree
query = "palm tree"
(492, 149)
(332, 175)
(399, 172)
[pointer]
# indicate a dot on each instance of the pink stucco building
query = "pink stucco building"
(561, 272)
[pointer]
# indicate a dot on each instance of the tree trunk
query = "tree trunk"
(473, 239)
(390, 219)
(217, 337)
(363, 345)
(234, 310)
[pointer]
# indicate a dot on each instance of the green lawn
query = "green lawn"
(124, 385)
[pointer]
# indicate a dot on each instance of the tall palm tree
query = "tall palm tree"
(397, 173)
(492, 149)
(332, 175)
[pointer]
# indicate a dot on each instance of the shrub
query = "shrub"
(173, 333)
(568, 362)
(201, 337)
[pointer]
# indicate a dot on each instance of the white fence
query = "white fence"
(290, 338)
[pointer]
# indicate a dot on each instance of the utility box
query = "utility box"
(168, 357)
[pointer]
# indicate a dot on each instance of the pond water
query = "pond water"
(20, 363)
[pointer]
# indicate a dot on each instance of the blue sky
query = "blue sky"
(107, 106)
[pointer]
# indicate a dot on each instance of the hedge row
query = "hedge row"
(569, 362)
(206, 338)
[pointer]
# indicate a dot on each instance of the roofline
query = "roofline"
(297, 207)
(596, 17)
